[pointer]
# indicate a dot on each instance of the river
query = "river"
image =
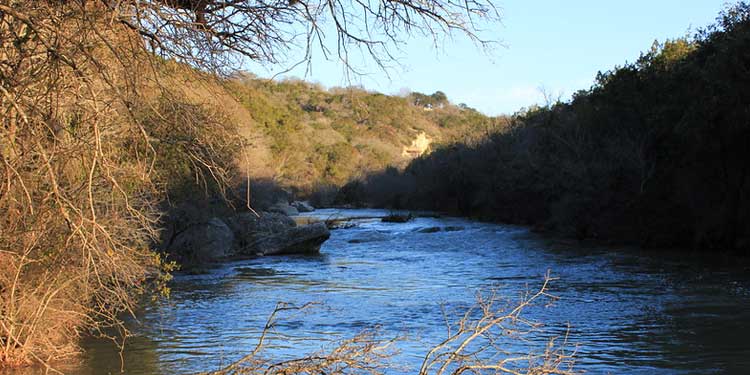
(625, 311)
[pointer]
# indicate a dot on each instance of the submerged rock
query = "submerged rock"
(338, 223)
(397, 218)
(440, 229)
(369, 237)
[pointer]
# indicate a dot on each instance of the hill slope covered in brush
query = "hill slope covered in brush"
(310, 136)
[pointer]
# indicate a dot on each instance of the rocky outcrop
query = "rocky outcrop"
(418, 147)
(284, 208)
(275, 234)
(303, 206)
(295, 240)
(243, 235)
(246, 224)
(209, 241)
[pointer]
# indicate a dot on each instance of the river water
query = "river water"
(625, 312)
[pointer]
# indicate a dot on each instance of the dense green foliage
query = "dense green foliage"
(656, 152)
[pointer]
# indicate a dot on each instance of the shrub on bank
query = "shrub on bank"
(93, 145)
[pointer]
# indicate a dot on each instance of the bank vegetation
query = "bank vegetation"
(656, 153)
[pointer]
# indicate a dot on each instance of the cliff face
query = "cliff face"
(419, 146)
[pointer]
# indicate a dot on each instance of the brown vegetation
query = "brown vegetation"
(86, 160)
(319, 137)
(98, 140)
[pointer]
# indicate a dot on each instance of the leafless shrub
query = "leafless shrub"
(364, 353)
(474, 345)
(79, 193)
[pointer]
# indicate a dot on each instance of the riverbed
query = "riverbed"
(625, 311)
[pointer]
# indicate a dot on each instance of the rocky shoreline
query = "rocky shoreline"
(246, 235)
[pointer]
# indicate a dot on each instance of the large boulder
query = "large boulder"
(246, 226)
(284, 208)
(248, 222)
(209, 241)
(303, 206)
(273, 234)
(304, 239)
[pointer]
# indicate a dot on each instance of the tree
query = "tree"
(439, 97)
(208, 33)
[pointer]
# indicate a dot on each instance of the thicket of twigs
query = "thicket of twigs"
(479, 341)
(92, 142)
(87, 157)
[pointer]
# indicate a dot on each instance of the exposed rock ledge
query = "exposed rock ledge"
(246, 234)
(296, 240)
(275, 234)
(418, 147)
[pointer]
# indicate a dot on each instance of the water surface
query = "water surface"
(628, 312)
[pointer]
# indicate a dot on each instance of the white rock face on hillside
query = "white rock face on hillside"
(419, 146)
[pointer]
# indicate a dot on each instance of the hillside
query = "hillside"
(312, 136)
(305, 139)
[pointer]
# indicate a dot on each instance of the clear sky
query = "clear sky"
(551, 44)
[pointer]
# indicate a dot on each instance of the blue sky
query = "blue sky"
(557, 46)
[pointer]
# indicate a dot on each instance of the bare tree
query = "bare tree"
(213, 33)
(80, 153)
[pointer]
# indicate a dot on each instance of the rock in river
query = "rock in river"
(209, 241)
(276, 234)
(303, 206)
(295, 240)
(284, 208)
(245, 225)
(439, 229)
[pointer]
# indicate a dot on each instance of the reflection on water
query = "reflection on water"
(629, 314)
